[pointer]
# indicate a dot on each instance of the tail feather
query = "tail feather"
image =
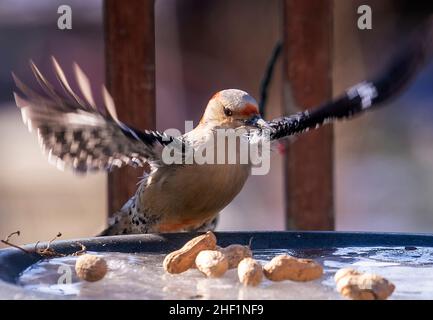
(119, 224)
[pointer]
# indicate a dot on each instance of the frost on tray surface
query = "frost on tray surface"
(141, 276)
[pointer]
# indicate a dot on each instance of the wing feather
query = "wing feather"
(84, 85)
(76, 134)
(60, 75)
(362, 97)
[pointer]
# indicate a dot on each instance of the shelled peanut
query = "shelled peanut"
(212, 263)
(90, 267)
(285, 267)
(356, 285)
(218, 248)
(183, 259)
(235, 253)
(203, 254)
(250, 272)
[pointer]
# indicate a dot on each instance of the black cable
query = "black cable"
(267, 77)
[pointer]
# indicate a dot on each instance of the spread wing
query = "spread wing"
(78, 135)
(360, 98)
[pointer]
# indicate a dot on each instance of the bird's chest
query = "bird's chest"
(194, 192)
(218, 183)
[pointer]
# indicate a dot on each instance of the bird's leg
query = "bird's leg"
(208, 225)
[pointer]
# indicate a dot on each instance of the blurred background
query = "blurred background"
(383, 160)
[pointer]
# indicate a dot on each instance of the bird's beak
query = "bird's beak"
(257, 122)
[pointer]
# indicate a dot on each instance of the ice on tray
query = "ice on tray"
(141, 276)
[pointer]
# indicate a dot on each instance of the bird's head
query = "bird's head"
(233, 108)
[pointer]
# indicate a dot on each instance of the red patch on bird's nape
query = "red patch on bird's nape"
(216, 95)
(249, 110)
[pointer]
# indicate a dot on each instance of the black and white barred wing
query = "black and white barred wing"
(78, 135)
(360, 98)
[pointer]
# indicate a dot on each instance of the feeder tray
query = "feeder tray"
(405, 259)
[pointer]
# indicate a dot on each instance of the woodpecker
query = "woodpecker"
(77, 134)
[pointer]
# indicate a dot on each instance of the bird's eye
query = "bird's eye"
(228, 112)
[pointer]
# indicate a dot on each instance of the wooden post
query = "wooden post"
(308, 28)
(130, 77)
